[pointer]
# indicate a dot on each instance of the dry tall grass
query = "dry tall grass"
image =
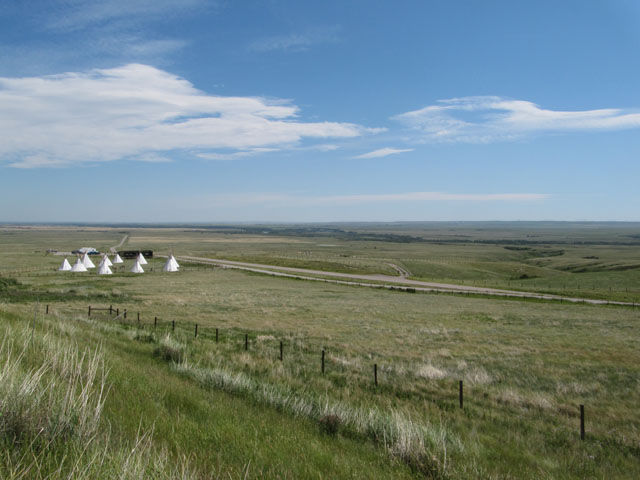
(52, 395)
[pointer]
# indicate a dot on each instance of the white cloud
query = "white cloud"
(136, 110)
(297, 42)
(488, 119)
(383, 152)
(429, 196)
(280, 200)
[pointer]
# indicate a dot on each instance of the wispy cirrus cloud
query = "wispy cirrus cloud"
(89, 33)
(135, 46)
(297, 42)
(384, 152)
(82, 14)
(139, 112)
(282, 199)
(486, 119)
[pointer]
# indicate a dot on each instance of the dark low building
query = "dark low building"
(135, 253)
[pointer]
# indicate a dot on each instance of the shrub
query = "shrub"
(170, 350)
(330, 424)
(144, 337)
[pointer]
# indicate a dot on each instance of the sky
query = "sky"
(299, 111)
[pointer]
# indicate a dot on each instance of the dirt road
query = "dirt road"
(388, 281)
(124, 239)
(401, 271)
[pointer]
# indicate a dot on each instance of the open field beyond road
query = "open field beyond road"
(388, 281)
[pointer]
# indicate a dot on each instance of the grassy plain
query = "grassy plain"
(526, 366)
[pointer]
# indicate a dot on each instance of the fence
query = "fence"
(245, 345)
(25, 270)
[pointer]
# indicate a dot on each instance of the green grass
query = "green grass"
(599, 261)
(526, 366)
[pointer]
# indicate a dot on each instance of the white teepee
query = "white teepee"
(104, 269)
(66, 266)
(174, 261)
(170, 265)
(78, 266)
(136, 268)
(141, 259)
(105, 260)
(86, 261)
(117, 259)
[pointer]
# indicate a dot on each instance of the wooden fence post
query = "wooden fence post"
(110, 309)
(461, 395)
(47, 311)
(155, 323)
(173, 325)
(89, 315)
(216, 335)
(125, 313)
(280, 350)
(246, 341)
(322, 368)
(375, 374)
(581, 422)
(196, 332)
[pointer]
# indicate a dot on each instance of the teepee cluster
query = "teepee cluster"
(84, 263)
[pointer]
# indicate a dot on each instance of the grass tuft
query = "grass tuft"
(170, 350)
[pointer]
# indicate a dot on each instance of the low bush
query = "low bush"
(330, 424)
(170, 350)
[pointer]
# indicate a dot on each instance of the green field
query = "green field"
(216, 409)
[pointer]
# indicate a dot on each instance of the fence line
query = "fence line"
(111, 310)
(25, 270)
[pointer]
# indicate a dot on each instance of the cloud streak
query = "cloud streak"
(297, 42)
(488, 119)
(384, 152)
(282, 199)
(139, 112)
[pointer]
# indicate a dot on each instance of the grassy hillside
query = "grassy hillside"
(83, 399)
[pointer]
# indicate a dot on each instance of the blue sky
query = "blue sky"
(202, 111)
